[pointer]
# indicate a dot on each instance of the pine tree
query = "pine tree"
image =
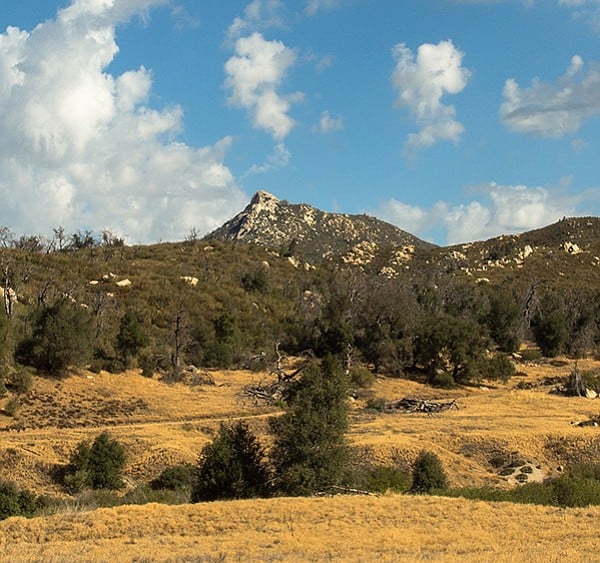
(130, 338)
(310, 449)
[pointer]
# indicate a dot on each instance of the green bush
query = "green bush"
(361, 376)
(175, 477)
(99, 465)
(499, 367)
(231, 466)
(428, 474)
(383, 478)
(131, 338)
(20, 380)
(15, 502)
(444, 380)
(578, 487)
(375, 404)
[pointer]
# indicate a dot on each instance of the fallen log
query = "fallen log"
(410, 405)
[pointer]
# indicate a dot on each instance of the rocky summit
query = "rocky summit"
(567, 252)
(299, 230)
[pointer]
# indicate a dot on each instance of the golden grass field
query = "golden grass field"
(388, 528)
(161, 425)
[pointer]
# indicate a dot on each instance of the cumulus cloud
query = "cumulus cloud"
(254, 74)
(553, 110)
(81, 148)
(504, 210)
(259, 15)
(328, 124)
(421, 82)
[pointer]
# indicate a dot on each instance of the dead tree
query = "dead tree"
(576, 387)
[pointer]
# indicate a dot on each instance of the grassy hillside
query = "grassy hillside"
(164, 424)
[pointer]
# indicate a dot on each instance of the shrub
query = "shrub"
(231, 466)
(428, 474)
(175, 477)
(444, 380)
(98, 466)
(375, 404)
(499, 367)
(20, 381)
(12, 406)
(578, 487)
(361, 376)
(14, 502)
(380, 479)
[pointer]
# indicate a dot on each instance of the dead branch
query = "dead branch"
(409, 405)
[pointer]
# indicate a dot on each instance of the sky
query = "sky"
(456, 120)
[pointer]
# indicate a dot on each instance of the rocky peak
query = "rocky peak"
(307, 231)
(263, 199)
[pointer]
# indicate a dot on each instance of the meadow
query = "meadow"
(164, 424)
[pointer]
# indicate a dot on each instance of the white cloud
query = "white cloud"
(553, 110)
(279, 158)
(421, 83)
(504, 210)
(254, 75)
(328, 124)
(258, 16)
(315, 6)
(81, 148)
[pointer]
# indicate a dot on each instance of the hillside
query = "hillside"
(164, 424)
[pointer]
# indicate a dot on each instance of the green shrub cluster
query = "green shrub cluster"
(16, 502)
(428, 474)
(98, 465)
(579, 486)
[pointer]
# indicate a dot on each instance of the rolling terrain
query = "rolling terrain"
(289, 274)
(162, 424)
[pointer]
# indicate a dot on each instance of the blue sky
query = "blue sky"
(456, 120)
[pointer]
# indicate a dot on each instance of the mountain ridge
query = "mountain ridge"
(569, 247)
(300, 229)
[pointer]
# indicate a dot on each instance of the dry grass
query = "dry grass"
(389, 528)
(173, 422)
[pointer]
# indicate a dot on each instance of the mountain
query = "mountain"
(303, 231)
(564, 253)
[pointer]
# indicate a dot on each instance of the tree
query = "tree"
(428, 474)
(231, 466)
(62, 336)
(99, 466)
(505, 319)
(550, 325)
(131, 338)
(310, 449)
(451, 345)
